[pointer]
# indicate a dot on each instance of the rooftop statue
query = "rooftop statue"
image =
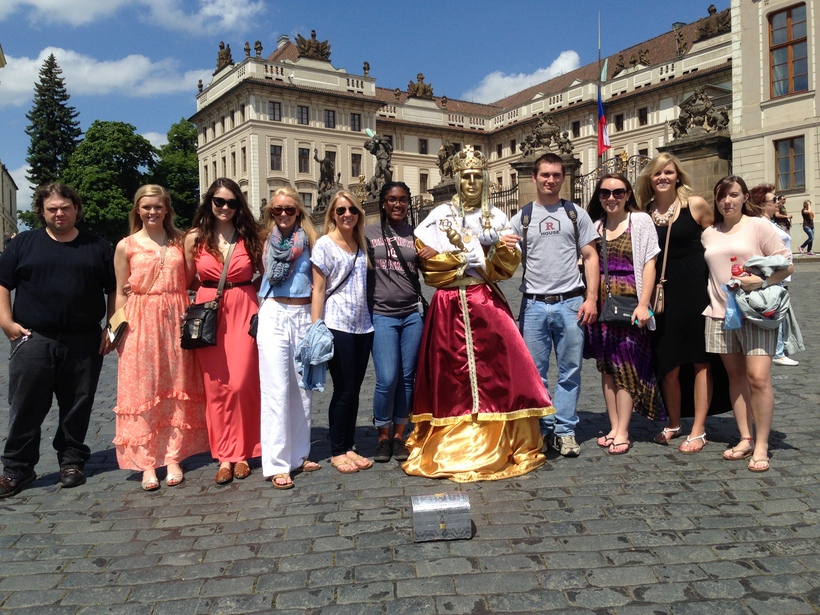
(223, 57)
(257, 47)
(247, 49)
(419, 89)
(312, 48)
(716, 23)
(680, 41)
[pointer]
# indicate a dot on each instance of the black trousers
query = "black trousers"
(65, 366)
(351, 352)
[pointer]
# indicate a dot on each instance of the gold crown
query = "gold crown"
(469, 158)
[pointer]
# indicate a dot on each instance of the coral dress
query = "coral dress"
(160, 400)
(230, 370)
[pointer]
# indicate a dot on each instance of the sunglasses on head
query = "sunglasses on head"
(618, 193)
(220, 202)
(278, 211)
(340, 211)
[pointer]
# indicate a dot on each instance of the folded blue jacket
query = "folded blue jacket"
(312, 355)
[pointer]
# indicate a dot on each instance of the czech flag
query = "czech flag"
(603, 136)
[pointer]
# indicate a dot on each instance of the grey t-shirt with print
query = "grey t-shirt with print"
(552, 264)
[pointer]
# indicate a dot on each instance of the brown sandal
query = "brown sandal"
(733, 454)
(283, 475)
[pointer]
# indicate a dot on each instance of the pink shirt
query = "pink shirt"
(750, 237)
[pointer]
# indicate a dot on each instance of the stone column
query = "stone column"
(705, 157)
(572, 167)
(526, 187)
(443, 192)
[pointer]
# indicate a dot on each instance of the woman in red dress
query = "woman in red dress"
(230, 369)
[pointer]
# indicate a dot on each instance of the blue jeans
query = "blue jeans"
(810, 238)
(395, 352)
(548, 325)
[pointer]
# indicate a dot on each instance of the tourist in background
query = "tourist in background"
(340, 265)
(160, 417)
(782, 217)
(762, 197)
(284, 317)
(393, 297)
(230, 369)
(808, 228)
(623, 353)
(663, 190)
(747, 352)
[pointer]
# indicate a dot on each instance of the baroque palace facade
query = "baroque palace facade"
(267, 121)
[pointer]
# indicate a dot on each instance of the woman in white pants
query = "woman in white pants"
(284, 317)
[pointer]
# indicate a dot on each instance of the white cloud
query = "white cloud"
(133, 76)
(157, 139)
(60, 11)
(210, 16)
(498, 85)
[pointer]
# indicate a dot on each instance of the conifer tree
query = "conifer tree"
(54, 129)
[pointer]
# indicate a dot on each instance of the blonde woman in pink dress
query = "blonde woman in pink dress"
(160, 399)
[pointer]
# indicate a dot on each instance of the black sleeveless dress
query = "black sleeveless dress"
(679, 339)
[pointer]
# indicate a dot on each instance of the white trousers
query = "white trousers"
(285, 406)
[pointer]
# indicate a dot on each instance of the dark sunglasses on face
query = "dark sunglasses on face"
(220, 202)
(618, 193)
(288, 211)
(340, 211)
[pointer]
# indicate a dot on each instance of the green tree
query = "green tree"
(106, 169)
(178, 170)
(54, 129)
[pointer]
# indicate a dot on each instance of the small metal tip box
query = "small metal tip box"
(443, 516)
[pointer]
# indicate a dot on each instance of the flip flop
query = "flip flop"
(732, 454)
(605, 441)
(627, 444)
(346, 464)
(752, 465)
(287, 485)
(309, 466)
(360, 462)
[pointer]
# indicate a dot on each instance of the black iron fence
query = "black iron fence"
(505, 200)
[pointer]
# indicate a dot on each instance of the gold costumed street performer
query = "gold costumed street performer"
(478, 393)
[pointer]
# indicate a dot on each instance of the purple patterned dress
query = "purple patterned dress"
(625, 353)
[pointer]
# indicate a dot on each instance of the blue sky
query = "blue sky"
(138, 61)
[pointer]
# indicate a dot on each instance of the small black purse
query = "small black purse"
(200, 319)
(617, 309)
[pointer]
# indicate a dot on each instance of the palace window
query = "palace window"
(303, 115)
(275, 111)
(330, 118)
(355, 166)
(304, 160)
(576, 129)
(422, 146)
(356, 122)
(643, 116)
(790, 158)
(275, 157)
(244, 160)
(512, 147)
(423, 183)
(619, 122)
(499, 150)
(788, 51)
(307, 199)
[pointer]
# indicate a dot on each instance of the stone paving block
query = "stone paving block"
(503, 563)
(86, 579)
(366, 593)
(450, 566)
(332, 543)
(228, 554)
(679, 573)
(412, 606)
(663, 592)
(210, 571)
(630, 557)
(229, 587)
(434, 586)
(388, 572)
(574, 559)
(133, 609)
(779, 584)
(778, 605)
(727, 569)
(795, 547)
(783, 565)
(530, 602)
(257, 603)
(563, 579)
(350, 609)
(285, 548)
(495, 582)
(155, 592)
(597, 598)
(97, 596)
(720, 589)
(461, 604)
(385, 538)
(308, 561)
(354, 557)
(621, 576)
(30, 599)
(323, 577)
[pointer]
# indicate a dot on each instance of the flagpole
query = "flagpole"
(600, 153)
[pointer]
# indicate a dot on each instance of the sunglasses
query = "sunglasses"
(340, 211)
(220, 202)
(278, 211)
(618, 193)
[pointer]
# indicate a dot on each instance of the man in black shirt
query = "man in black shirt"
(60, 275)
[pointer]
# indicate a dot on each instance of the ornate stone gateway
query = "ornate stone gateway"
(630, 166)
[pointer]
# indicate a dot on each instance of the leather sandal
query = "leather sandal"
(689, 440)
(223, 476)
(309, 466)
(150, 484)
(241, 470)
(733, 454)
(664, 438)
(753, 465)
(605, 441)
(282, 476)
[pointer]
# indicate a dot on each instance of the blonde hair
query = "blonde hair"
(358, 231)
(643, 187)
(135, 222)
(302, 215)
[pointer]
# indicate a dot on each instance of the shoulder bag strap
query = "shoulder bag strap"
(526, 216)
(603, 255)
(224, 275)
(573, 216)
(344, 279)
(666, 250)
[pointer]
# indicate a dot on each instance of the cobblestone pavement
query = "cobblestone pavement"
(653, 531)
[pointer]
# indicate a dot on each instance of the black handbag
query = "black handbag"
(200, 319)
(617, 309)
